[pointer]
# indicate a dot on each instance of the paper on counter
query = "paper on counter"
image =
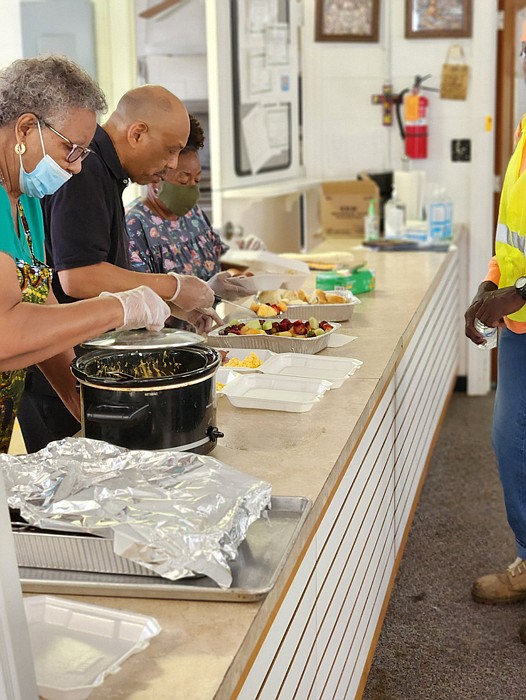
(337, 340)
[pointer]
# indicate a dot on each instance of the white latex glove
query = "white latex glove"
(223, 284)
(191, 293)
(143, 308)
(250, 243)
(203, 319)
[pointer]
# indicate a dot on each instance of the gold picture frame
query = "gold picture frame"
(437, 19)
(347, 20)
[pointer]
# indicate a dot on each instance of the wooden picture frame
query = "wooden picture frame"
(437, 19)
(347, 20)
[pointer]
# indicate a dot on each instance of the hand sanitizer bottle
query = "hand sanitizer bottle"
(394, 217)
(371, 223)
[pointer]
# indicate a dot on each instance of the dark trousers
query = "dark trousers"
(42, 415)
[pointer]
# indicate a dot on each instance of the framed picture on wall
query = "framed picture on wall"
(347, 20)
(434, 19)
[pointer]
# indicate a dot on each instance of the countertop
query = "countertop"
(204, 648)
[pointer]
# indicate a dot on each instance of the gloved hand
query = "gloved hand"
(143, 308)
(203, 319)
(224, 285)
(250, 243)
(191, 293)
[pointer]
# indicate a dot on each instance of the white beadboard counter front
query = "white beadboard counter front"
(360, 455)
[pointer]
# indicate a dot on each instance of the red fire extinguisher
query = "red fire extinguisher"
(415, 109)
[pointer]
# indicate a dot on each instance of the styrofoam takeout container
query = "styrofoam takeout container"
(263, 261)
(261, 281)
(275, 393)
(224, 375)
(276, 343)
(76, 645)
(333, 369)
(240, 354)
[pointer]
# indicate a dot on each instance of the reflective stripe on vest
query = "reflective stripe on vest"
(511, 238)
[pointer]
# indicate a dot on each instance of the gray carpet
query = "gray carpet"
(436, 643)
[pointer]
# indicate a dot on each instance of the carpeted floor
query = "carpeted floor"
(436, 643)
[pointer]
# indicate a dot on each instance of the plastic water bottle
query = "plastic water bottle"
(371, 223)
(394, 217)
(439, 215)
(489, 333)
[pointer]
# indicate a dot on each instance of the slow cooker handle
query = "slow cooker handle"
(118, 414)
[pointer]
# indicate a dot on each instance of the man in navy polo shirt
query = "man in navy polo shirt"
(86, 240)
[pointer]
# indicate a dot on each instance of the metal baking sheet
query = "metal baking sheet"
(260, 559)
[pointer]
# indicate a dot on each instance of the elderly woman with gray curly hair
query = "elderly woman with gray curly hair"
(48, 111)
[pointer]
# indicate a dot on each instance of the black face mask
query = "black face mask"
(179, 199)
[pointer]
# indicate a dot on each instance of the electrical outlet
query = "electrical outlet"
(461, 150)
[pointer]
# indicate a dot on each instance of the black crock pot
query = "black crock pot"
(123, 404)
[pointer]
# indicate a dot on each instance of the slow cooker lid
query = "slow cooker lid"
(144, 340)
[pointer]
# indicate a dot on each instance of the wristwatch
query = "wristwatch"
(520, 286)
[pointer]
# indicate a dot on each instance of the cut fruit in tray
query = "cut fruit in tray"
(291, 329)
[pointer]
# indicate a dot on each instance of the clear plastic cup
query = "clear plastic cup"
(489, 334)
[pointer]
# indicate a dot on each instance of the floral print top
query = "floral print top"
(187, 245)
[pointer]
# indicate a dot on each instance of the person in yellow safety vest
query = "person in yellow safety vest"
(501, 302)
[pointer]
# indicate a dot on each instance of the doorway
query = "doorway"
(510, 97)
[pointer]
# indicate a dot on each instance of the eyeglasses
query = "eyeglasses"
(76, 150)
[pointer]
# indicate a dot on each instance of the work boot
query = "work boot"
(504, 587)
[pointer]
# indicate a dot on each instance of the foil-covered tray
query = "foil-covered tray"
(260, 559)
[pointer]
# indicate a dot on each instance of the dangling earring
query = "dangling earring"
(20, 149)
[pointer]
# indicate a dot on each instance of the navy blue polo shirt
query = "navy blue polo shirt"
(84, 220)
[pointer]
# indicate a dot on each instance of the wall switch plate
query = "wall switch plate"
(461, 150)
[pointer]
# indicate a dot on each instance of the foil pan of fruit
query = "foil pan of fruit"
(282, 335)
(337, 305)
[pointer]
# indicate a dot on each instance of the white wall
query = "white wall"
(10, 32)
(344, 132)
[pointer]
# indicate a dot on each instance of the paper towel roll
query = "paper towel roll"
(409, 187)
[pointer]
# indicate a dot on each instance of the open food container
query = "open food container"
(245, 361)
(275, 343)
(332, 369)
(150, 391)
(76, 645)
(273, 393)
(341, 311)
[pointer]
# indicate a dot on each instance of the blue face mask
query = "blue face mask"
(46, 178)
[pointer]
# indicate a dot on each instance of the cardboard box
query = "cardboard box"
(344, 204)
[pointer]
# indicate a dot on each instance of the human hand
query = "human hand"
(224, 285)
(202, 319)
(191, 293)
(250, 243)
(143, 308)
(490, 305)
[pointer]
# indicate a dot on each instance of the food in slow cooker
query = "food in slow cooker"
(285, 327)
(146, 367)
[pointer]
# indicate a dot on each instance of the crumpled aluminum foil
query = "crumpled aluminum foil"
(176, 513)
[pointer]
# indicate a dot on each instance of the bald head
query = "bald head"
(149, 128)
(148, 103)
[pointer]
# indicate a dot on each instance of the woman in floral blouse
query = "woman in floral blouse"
(168, 231)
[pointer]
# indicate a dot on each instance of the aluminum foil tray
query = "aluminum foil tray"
(275, 343)
(75, 551)
(322, 312)
(261, 558)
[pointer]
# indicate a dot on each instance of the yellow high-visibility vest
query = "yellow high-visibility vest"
(510, 243)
